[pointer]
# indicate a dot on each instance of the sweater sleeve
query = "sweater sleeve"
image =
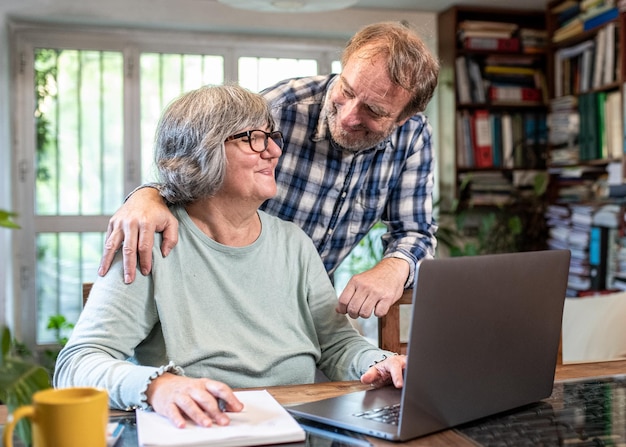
(115, 320)
(345, 354)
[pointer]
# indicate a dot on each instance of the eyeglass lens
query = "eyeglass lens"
(258, 139)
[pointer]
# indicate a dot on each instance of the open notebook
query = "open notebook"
(262, 421)
(484, 337)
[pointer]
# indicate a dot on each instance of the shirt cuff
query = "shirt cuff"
(171, 368)
(153, 185)
(399, 255)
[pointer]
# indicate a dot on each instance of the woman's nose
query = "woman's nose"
(273, 150)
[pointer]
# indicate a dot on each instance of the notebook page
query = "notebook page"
(262, 421)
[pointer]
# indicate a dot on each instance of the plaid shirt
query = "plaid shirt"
(336, 196)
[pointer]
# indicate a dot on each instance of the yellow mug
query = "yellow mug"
(67, 417)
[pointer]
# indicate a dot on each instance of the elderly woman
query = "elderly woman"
(244, 299)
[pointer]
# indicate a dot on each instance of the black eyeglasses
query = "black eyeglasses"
(257, 139)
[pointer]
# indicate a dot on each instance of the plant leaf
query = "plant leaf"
(21, 378)
(6, 219)
(6, 343)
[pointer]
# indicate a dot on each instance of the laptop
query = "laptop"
(483, 339)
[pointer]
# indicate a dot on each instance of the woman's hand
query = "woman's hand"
(388, 371)
(177, 396)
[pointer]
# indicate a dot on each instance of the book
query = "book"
(608, 71)
(601, 18)
(468, 145)
(598, 65)
(476, 81)
(511, 44)
(573, 28)
(507, 140)
(513, 94)
(598, 256)
(564, 5)
(462, 81)
(262, 421)
(510, 70)
(482, 139)
(613, 120)
(496, 135)
(487, 25)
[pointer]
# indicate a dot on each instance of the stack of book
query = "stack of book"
(500, 79)
(574, 17)
(589, 231)
(488, 188)
(514, 84)
(486, 35)
(577, 183)
(563, 129)
(533, 40)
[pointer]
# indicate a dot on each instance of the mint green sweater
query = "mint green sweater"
(252, 316)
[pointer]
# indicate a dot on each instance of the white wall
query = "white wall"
(196, 15)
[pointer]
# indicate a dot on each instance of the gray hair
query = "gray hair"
(409, 62)
(189, 150)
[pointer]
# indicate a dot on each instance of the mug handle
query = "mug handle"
(22, 412)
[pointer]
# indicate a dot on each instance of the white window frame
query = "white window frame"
(24, 38)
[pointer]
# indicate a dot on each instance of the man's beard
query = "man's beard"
(347, 140)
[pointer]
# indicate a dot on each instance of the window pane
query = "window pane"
(80, 170)
(335, 67)
(64, 262)
(79, 125)
(257, 73)
(163, 78)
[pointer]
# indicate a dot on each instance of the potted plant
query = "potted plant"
(20, 375)
(519, 225)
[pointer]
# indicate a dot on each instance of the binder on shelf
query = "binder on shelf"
(483, 145)
(589, 138)
(496, 143)
(598, 257)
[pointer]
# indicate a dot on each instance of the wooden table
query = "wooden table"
(293, 394)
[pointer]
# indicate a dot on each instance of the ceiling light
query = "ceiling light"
(289, 5)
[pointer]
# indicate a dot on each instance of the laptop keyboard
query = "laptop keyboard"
(388, 414)
(580, 414)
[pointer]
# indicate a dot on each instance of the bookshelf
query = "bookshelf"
(493, 83)
(585, 70)
(585, 66)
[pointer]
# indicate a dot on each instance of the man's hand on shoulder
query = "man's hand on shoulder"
(132, 228)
